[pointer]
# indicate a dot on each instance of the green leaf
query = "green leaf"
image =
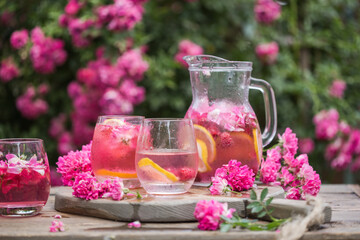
(275, 225)
(262, 214)
(138, 195)
(263, 194)
(253, 195)
(257, 209)
(225, 227)
(267, 202)
(253, 204)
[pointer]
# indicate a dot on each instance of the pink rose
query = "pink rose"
(267, 52)
(209, 213)
(337, 88)
(266, 11)
(72, 7)
(293, 193)
(19, 39)
(218, 186)
(8, 70)
(326, 124)
(186, 47)
(306, 145)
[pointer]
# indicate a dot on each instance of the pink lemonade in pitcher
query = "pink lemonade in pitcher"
(165, 170)
(225, 124)
(23, 183)
(224, 132)
(113, 149)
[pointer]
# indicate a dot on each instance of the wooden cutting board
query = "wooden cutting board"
(171, 208)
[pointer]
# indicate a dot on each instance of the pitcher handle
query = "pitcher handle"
(270, 108)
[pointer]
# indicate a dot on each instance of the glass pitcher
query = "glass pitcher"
(225, 124)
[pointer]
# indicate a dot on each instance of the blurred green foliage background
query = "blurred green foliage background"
(319, 41)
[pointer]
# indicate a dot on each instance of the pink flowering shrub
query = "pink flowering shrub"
(343, 150)
(32, 103)
(267, 11)
(19, 38)
(8, 70)
(186, 47)
(267, 52)
(209, 213)
(46, 53)
(306, 145)
(294, 174)
(337, 88)
(103, 88)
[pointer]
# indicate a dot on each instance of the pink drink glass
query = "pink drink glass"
(24, 177)
(166, 156)
(113, 148)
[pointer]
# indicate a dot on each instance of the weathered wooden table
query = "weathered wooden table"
(343, 199)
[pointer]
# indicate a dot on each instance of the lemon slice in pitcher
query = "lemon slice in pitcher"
(206, 148)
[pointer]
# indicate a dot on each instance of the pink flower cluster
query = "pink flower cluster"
(87, 187)
(32, 104)
(119, 16)
(76, 171)
(102, 88)
(337, 88)
(267, 52)
(186, 47)
(46, 53)
(19, 38)
(306, 145)
(294, 174)
(57, 226)
(344, 147)
(122, 15)
(267, 11)
(209, 213)
(74, 163)
(232, 176)
(8, 70)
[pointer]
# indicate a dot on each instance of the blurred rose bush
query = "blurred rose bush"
(63, 63)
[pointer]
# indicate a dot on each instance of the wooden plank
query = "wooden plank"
(170, 208)
(355, 188)
(335, 188)
(345, 225)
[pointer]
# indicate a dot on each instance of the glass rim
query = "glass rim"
(121, 116)
(20, 140)
(167, 119)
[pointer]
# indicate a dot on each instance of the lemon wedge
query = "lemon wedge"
(154, 171)
(206, 148)
(114, 122)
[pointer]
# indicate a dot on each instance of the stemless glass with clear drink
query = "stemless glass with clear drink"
(113, 148)
(24, 177)
(166, 156)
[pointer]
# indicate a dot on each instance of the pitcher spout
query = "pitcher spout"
(192, 60)
(208, 61)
